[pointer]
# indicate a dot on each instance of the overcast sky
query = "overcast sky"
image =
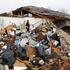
(8, 5)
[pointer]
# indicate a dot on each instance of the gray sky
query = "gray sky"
(8, 5)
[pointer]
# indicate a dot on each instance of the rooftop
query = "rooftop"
(39, 11)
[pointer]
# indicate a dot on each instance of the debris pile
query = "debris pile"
(39, 49)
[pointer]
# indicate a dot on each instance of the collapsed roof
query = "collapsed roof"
(38, 11)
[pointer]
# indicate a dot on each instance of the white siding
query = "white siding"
(5, 21)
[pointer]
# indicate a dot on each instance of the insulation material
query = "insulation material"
(20, 68)
(23, 42)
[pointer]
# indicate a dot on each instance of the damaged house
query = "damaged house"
(39, 15)
(61, 20)
(34, 48)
